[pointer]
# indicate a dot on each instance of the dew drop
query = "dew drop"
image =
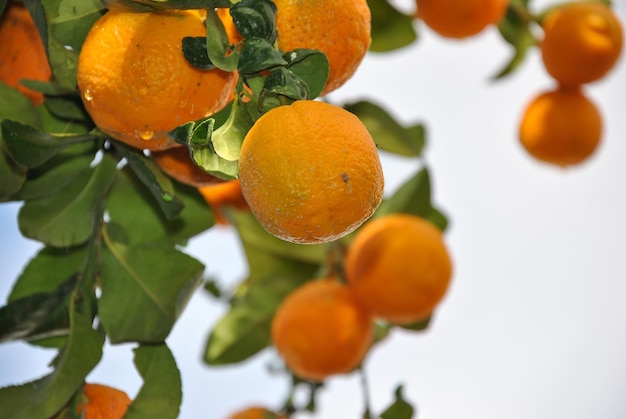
(87, 95)
(146, 134)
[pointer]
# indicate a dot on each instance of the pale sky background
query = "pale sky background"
(534, 324)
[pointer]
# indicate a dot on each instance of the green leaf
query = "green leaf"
(16, 106)
(388, 134)
(217, 44)
(417, 326)
(245, 329)
(32, 147)
(54, 125)
(284, 82)
(63, 61)
(69, 108)
(150, 5)
(197, 136)
(44, 397)
(438, 218)
(144, 288)
(161, 393)
(37, 316)
(60, 175)
(413, 197)
(391, 29)
(311, 66)
(195, 52)
(130, 205)
(255, 19)
(255, 236)
(159, 184)
(47, 270)
(68, 218)
(74, 20)
(3, 4)
(228, 138)
(515, 29)
(399, 409)
(257, 55)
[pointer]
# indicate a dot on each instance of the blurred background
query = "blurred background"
(534, 324)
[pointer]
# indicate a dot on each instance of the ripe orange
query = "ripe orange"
(226, 194)
(310, 172)
(338, 28)
(460, 18)
(22, 53)
(398, 266)
(256, 412)
(582, 42)
(320, 329)
(177, 163)
(135, 82)
(103, 402)
(561, 127)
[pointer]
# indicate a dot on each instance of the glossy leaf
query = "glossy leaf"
(399, 409)
(228, 138)
(197, 135)
(257, 55)
(161, 393)
(32, 147)
(37, 316)
(68, 218)
(391, 29)
(311, 66)
(255, 19)
(144, 288)
(44, 397)
(388, 134)
(195, 52)
(284, 82)
(218, 46)
(158, 184)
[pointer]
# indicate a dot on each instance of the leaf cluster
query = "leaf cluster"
(113, 226)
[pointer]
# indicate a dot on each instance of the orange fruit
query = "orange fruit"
(103, 402)
(256, 412)
(22, 53)
(460, 18)
(320, 329)
(338, 28)
(398, 266)
(561, 127)
(177, 163)
(582, 42)
(310, 172)
(137, 85)
(226, 194)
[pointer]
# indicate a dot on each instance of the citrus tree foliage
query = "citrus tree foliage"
(113, 226)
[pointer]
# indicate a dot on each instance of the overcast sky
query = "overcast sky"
(534, 325)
